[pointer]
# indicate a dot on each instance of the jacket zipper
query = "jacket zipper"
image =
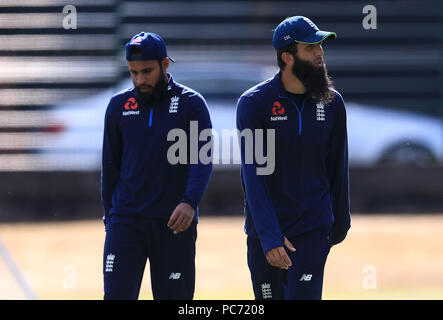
(298, 110)
(151, 115)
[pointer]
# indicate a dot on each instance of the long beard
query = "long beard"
(315, 79)
(157, 92)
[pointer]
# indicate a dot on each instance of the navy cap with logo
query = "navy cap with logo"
(152, 47)
(298, 29)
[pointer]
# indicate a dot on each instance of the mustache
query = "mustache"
(144, 86)
(319, 61)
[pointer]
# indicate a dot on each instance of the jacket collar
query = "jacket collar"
(171, 83)
(278, 85)
(280, 88)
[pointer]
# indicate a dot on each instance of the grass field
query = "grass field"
(383, 257)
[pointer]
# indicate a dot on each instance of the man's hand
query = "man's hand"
(278, 257)
(181, 218)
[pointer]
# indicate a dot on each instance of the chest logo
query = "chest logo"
(320, 114)
(131, 104)
(278, 111)
(131, 107)
(173, 107)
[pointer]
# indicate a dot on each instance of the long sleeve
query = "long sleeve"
(257, 196)
(111, 159)
(199, 171)
(338, 172)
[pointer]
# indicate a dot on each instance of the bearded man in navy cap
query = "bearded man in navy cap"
(295, 214)
(150, 204)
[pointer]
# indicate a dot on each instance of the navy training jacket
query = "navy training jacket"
(309, 186)
(137, 178)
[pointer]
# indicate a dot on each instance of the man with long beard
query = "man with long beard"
(151, 205)
(294, 215)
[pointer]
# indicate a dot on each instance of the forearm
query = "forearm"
(198, 180)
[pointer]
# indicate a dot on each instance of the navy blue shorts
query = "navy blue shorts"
(303, 280)
(130, 241)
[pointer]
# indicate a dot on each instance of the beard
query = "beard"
(315, 79)
(156, 93)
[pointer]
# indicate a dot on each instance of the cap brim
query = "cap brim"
(317, 37)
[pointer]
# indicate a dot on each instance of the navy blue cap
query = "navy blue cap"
(298, 29)
(152, 47)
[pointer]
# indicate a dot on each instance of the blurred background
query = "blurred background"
(58, 71)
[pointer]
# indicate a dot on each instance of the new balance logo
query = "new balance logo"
(266, 290)
(306, 277)
(174, 276)
(173, 107)
(109, 262)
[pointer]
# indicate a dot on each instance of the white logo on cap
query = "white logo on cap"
(310, 23)
(287, 37)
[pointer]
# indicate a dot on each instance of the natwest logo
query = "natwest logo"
(138, 40)
(277, 109)
(131, 104)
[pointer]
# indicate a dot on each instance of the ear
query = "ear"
(287, 58)
(165, 64)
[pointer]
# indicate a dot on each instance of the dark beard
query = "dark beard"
(158, 91)
(315, 79)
